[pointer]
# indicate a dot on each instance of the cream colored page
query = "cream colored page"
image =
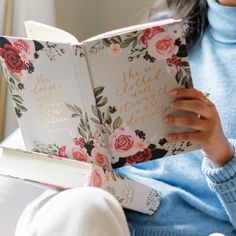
(39, 31)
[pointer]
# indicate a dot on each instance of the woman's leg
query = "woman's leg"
(76, 212)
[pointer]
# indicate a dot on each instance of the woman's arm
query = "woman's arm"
(222, 180)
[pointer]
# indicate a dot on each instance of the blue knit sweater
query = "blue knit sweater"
(197, 199)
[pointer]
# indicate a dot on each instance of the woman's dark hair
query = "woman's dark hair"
(193, 13)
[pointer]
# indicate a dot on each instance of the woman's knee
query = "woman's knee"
(72, 211)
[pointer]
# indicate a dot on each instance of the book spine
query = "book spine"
(84, 80)
(130, 194)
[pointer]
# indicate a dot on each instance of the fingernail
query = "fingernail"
(173, 92)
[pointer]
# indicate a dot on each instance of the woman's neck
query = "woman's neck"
(228, 2)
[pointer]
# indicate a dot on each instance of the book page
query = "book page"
(38, 31)
(128, 29)
(45, 92)
(132, 75)
(44, 169)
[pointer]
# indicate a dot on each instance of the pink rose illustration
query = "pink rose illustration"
(115, 49)
(100, 157)
(21, 45)
(150, 33)
(79, 154)
(123, 142)
(96, 179)
(162, 46)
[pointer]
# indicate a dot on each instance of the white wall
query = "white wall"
(83, 18)
(26, 10)
(79, 17)
(86, 18)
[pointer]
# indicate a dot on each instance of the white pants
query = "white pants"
(76, 212)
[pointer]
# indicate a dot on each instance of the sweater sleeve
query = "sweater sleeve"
(222, 180)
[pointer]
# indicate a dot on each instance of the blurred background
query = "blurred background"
(82, 18)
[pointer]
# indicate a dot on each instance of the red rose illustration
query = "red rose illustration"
(174, 61)
(145, 155)
(21, 45)
(62, 152)
(100, 157)
(150, 33)
(12, 58)
(80, 142)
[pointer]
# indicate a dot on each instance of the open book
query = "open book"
(100, 102)
(103, 97)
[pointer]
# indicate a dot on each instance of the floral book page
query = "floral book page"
(133, 73)
(130, 194)
(47, 98)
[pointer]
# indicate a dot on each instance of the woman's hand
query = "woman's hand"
(206, 125)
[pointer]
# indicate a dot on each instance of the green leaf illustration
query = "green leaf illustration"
(95, 121)
(38, 45)
(117, 38)
(75, 115)
(182, 51)
(82, 133)
(22, 108)
(102, 102)
(184, 81)
(77, 108)
(158, 153)
(113, 176)
(179, 75)
(85, 124)
(94, 110)
(100, 116)
(121, 200)
(108, 121)
(98, 90)
(83, 127)
(18, 97)
(98, 99)
(185, 63)
(70, 107)
(16, 100)
(135, 43)
(86, 117)
(106, 42)
(117, 123)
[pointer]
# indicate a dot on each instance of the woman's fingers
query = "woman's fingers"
(197, 106)
(191, 122)
(190, 93)
(193, 137)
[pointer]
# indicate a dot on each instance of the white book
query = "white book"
(100, 102)
(61, 173)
